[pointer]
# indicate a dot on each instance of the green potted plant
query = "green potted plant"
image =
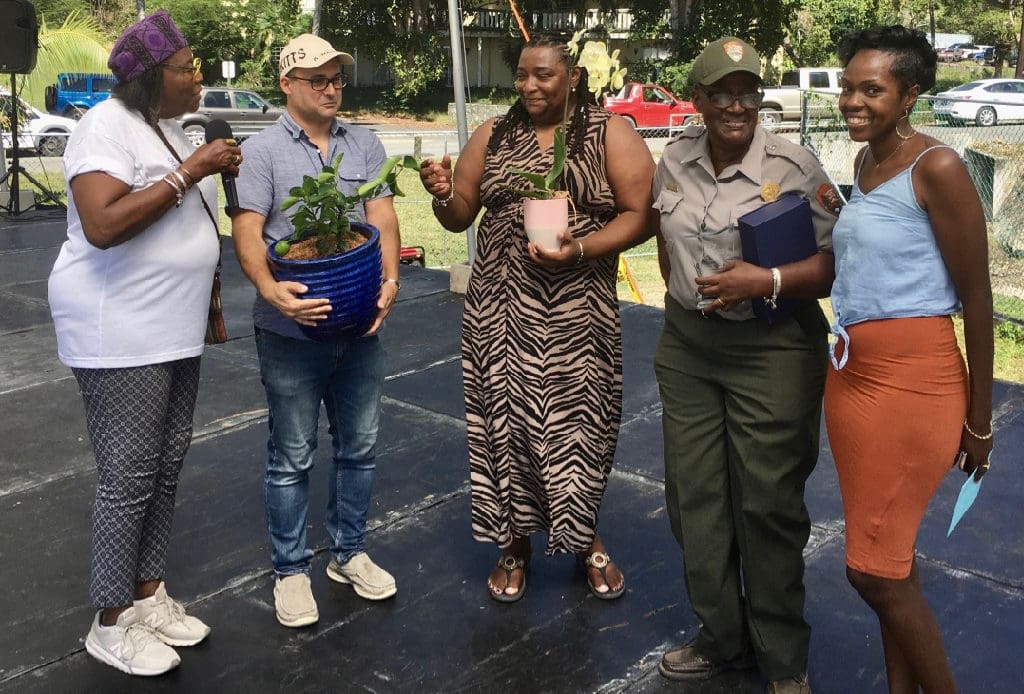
(546, 203)
(335, 257)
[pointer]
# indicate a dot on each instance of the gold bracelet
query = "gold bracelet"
(976, 435)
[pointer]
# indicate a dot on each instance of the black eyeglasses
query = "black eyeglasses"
(727, 99)
(196, 66)
(318, 84)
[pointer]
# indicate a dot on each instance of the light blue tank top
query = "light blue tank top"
(888, 264)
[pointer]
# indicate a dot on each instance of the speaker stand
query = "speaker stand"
(16, 170)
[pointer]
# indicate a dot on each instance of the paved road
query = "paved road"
(434, 143)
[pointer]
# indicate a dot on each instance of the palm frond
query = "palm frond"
(78, 45)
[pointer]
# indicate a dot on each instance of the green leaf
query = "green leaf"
(289, 202)
(536, 179)
(559, 164)
(534, 193)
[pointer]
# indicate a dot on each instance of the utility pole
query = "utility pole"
(459, 85)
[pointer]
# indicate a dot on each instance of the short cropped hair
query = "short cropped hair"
(914, 58)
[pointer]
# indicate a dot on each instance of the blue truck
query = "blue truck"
(77, 92)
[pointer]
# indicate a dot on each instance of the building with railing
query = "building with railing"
(491, 38)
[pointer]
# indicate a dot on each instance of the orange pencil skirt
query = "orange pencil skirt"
(894, 415)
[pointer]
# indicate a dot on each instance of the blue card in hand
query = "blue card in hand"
(968, 493)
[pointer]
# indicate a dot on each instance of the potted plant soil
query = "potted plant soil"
(335, 257)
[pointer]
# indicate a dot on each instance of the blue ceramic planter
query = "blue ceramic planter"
(350, 280)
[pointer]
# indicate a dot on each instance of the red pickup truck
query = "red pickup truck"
(648, 106)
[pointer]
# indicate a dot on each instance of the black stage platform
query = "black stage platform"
(441, 633)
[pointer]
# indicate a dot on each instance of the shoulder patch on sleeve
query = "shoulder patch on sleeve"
(828, 197)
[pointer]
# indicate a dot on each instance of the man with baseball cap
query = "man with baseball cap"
(741, 399)
(298, 373)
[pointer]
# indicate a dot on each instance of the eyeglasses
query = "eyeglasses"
(727, 99)
(196, 66)
(318, 84)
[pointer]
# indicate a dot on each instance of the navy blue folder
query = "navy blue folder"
(774, 234)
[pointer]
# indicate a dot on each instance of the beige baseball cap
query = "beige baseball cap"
(307, 50)
(723, 57)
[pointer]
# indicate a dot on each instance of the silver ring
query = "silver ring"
(238, 159)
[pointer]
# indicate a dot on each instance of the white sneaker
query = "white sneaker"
(130, 646)
(166, 616)
(369, 580)
(293, 601)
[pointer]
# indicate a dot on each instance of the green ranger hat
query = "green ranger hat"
(723, 57)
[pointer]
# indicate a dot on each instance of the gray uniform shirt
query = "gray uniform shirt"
(699, 209)
(275, 160)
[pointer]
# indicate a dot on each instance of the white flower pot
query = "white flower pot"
(544, 219)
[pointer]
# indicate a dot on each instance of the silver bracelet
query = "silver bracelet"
(179, 194)
(773, 300)
(181, 180)
(443, 202)
(579, 258)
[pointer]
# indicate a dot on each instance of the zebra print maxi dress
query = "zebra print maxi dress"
(541, 358)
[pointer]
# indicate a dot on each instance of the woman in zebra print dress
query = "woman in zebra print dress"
(541, 343)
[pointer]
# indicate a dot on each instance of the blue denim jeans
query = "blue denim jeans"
(298, 375)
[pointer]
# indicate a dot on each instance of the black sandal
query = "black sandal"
(509, 563)
(599, 561)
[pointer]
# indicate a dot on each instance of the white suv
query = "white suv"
(47, 135)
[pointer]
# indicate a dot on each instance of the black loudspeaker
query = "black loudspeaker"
(21, 36)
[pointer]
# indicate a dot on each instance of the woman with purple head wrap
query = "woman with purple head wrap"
(130, 294)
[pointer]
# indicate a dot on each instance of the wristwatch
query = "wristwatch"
(398, 285)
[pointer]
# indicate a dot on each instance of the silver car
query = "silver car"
(246, 112)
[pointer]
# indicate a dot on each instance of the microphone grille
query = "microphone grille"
(217, 129)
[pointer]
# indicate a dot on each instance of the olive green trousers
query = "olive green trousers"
(741, 421)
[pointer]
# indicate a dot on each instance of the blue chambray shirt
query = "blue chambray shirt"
(275, 160)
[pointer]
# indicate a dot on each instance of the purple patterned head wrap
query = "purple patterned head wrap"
(146, 43)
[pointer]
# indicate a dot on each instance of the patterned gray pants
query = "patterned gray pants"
(140, 423)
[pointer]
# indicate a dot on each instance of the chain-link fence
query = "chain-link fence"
(987, 131)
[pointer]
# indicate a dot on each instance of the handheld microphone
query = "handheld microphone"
(218, 129)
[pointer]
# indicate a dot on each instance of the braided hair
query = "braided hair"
(142, 94)
(517, 115)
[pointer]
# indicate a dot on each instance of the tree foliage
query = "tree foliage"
(78, 44)
(401, 35)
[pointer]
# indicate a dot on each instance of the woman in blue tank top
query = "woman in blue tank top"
(900, 407)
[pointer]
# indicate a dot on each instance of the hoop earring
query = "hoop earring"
(906, 116)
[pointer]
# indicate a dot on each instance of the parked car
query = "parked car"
(649, 106)
(986, 102)
(77, 92)
(46, 134)
(989, 57)
(957, 51)
(784, 102)
(246, 112)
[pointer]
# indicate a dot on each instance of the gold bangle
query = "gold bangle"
(975, 434)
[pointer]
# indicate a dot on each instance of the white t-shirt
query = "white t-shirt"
(146, 300)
